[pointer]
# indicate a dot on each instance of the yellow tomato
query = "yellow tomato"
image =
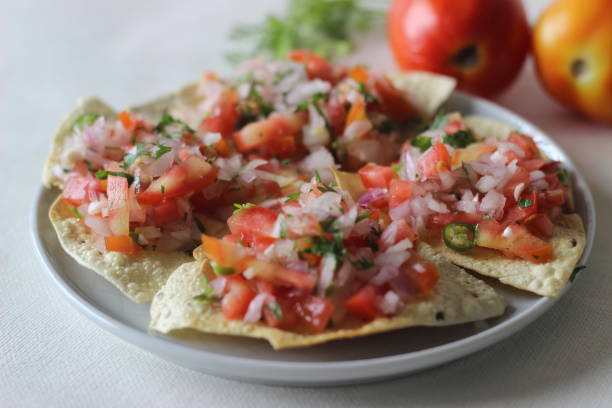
(572, 44)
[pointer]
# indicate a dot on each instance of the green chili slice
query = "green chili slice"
(221, 270)
(459, 236)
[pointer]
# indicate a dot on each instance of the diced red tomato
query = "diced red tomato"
(268, 131)
(552, 198)
(516, 214)
(119, 211)
(126, 120)
(261, 243)
(193, 174)
(422, 275)
(316, 66)
(336, 115)
(121, 243)
(434, 161)
(517, 242)
(223, 116)
(223, 252)
(252, 222)
(520, 176)
(539, 225)
(289, 318)
(315, 311)
(166, 212)
(363, 303)
(359, 74)
(402, 232)
(79, 190)
(236, 302)
(532, 164)
(278, 275)
(393, 102)
(399, 191)
(357, 113)
(526, 143)
(375, 176)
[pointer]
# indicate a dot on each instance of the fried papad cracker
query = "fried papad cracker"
(138, 276)
(457, 298)
(546, 279)
(424, 90)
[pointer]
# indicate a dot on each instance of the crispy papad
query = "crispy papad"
(547, 279)
(457, 298)
(424, 90)
(139, 277)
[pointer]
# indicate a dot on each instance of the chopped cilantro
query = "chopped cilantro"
(207, 295)
(75, 212)
(130, 158)
(564, 176)
(292, 197)
(276, 310)
(398, 167)
(367, 95)
(525, 203)
(362, 263)
(363, 216)
(161, 150)
(167, 120)
(240, 207)
(162, 189)
(285, 162)
(211, 160)
(328, 225)
(221, 270)
(86, 119)
(324, 188)
(103, 175)
(421, 142)
(459, 139)
(322, 246)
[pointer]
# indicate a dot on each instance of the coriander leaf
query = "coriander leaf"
(240, 207)
(459, 139)
(292, 197)
(363, 216)
(207, 295)
(398, 167)
(167, 120)
(75, 212)
(103, 175)
(130, 158)
(361, 263)
(421, 142)
(86, 119)
(564, 176)
(322, 246)
(161, 150)
(276, 310)
(525, 203)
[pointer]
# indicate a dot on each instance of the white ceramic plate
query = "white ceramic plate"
(342, 362)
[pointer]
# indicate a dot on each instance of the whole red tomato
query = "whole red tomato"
(482, 43)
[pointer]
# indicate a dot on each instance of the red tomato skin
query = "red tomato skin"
(375, 176)
(399, 191)
(527, 144)
(315, 311)
(422, 281)
(316, 66)
(166, 212)
(434, 161)
(78, 190)
(252, 222)
(540, 225)
(236, 302)
(363, 303)
(393, 103)
(426, 35)
(223, 116)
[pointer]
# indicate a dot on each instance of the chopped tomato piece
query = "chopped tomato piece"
(434, 161)
(277, 274)
(223, 116)
(532, 164)
(261, 243)
(363, 303)
(316, 66)
(266, 132)
(166, 212)
(393, 102)
(119, 211)
(357, 113)
(126, 120)
(513, 240)
(315, 311)
(336, 115)
(402, 232)
(193, 174)
(539, 225)
(285, 317)
(375, 176)
(121, 243)
(236, 302)
(520, 176)
(552, 198)
(359, 74)
(526, 143)
(518, 213)
(252, 222)
(422, 276)
(223, 252)
(80, 190)
(399, 191)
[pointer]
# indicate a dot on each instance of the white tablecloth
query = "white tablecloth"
(52, 52)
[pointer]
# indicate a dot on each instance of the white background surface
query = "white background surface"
(52, 52)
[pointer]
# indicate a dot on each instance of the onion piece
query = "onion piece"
(253, 313)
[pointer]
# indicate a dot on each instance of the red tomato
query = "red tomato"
(267, 132)
(399, 191)
(315, 311)
(402, 232)
(482, 43)
(119, 212)
(517, 214)
(363, 303)
(223, 116)
(392, 101)
(552, 198)
(193, 174)
(79, 190)
(422, 275)
(527, 144)
(375, 176)
(260, 243)
(166, 212)
(517, 242)
(289, 318)
(336, 115)
(236, 302)
(521, 176)
(433, 161)
(252, 222)
(279, 275)
(223, 252)
(123, 244)
(539, 225)
(126, 120)
(316, 66)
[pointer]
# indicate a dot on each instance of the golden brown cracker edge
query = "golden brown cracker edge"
(457, 298)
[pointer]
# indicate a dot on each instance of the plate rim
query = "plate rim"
(325, 373)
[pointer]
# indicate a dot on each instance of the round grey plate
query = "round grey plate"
(342, 362)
